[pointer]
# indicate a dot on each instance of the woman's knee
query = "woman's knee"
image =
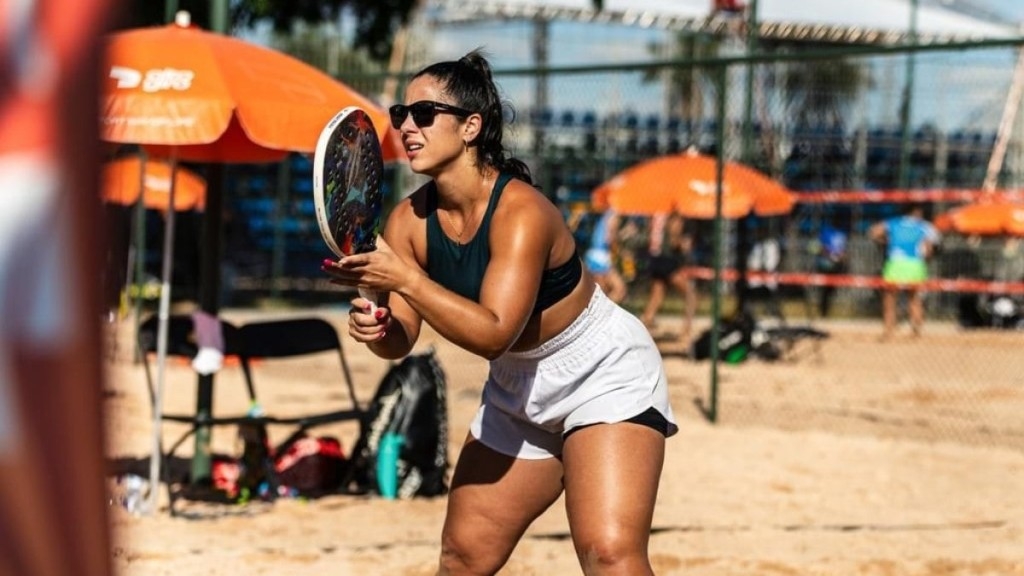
(468, 555)
(612, 551)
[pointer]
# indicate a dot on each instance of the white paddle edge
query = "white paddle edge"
(318, 193)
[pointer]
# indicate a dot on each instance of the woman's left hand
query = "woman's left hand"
(380, 270)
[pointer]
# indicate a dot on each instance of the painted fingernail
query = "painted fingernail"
(379, 314)
(383, 333)
(328, 262)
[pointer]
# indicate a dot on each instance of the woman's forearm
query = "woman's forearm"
(463, 322)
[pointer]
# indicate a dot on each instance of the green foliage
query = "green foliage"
(822, 91)
(376, 21)
(686, 83)
(139, 13)
(283, 13)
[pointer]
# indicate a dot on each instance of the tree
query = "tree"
(818, 96)
(685, 85)
(821, 91)
(376, 20)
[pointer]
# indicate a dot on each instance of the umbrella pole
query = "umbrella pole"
(209, 302)
(743, 249)
(716, 285)
(284, 179)
(140, 254)
(161, 347)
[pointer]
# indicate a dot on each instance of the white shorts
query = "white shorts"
(603, 368)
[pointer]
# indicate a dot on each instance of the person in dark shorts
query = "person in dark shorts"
(669, 256)
(830, 258)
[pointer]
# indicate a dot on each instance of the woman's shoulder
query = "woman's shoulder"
(523, 207)
(523, 197)
(522, 191)
(419, 203)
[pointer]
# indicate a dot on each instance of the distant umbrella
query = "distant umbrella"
(123, 179)
(984, 219)
(686, 183)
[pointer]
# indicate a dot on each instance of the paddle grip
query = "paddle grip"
(372, 296)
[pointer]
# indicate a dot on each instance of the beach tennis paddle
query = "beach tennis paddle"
(347, 171)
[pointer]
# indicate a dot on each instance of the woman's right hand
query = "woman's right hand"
(367, 323)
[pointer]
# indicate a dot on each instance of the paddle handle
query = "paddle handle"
(372, 296)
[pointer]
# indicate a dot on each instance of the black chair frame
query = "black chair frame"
(258, 340)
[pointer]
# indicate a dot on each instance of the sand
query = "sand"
(849, 456)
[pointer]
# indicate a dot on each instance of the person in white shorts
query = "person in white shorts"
(576, 398)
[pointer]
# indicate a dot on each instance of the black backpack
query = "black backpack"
(739, 338)
(734, 340)
(410, 401)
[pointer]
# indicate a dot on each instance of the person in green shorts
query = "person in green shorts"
(909, 240)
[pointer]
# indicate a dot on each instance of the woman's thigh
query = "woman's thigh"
(611, 484)
(493, 500)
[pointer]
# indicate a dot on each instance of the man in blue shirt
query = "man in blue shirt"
(909, 241)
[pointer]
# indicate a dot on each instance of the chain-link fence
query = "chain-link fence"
(865, 124)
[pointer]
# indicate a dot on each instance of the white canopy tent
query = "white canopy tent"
(840, 21)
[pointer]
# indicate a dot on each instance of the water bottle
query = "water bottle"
(387, 464)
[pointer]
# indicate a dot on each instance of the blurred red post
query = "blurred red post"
(53, 502)
(728, 6)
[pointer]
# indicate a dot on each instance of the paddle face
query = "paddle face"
(347, 170)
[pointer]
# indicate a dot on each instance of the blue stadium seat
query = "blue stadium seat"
(304, 207)
(300, 163)
(255, 206)
(541, 117)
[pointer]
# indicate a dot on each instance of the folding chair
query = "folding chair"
(297, 337)
(182, 343)
(258, 340)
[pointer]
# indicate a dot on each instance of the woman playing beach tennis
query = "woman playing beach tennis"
(576, 398)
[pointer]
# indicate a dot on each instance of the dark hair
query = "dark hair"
(915, 207)
(469, 82)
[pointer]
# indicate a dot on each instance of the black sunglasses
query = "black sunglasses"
(423, 112)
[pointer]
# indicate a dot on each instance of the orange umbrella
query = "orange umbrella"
(686, 183)
(219, 99)
(122, 179)
(984, 218)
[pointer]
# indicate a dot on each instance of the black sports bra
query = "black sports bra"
(460, 267)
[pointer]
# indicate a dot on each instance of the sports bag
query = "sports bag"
(411, 401)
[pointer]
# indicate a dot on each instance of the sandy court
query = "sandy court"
(856, 457)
